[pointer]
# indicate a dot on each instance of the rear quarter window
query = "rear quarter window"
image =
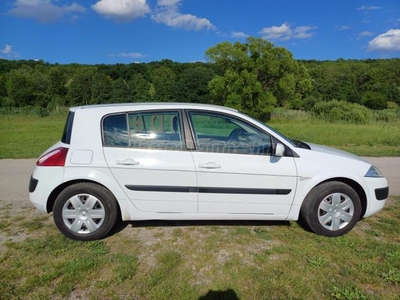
(66, 136)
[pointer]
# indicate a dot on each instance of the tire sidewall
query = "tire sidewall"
(102, 194)
(317, 195)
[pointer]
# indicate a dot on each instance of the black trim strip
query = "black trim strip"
(207, 190)
(382, 194)
(217, 190)
(162, 188)
(33, 182)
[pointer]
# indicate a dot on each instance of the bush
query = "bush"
(392, 105)
(284, 114)
(386, 115)
(336, 111)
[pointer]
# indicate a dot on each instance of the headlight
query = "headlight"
(373, 172)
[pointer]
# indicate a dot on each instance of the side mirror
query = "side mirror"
(279, 150)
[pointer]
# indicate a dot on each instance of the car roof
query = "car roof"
(118, 107)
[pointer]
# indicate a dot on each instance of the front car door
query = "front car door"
(146, 154)
(235, 169)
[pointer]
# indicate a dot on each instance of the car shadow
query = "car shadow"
(220, 295)
(121, 225)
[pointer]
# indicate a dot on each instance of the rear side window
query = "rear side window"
(66, 136)
(155, 130)
(115, 131)
(147, 130)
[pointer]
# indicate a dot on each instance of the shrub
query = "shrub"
(392, 105)
(386, 115)
(336, 111)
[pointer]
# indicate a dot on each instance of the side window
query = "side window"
(115, 131)
(223, 134)
(155, 130)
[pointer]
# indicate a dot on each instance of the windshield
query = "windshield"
(290, 141)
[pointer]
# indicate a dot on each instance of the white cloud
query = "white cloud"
(365, 34)
(9, 52)
(168, 2)
(128, 55)
(343, 27)
(368, 7)
(239, 35)
(276, 32)
(386, 42)
(303, 32)
(167, 12)
(284, 32)
(44, 11)
(7, 49)
(122, 10)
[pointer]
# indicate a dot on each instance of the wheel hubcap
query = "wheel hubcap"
(336, 211)
(83, 213)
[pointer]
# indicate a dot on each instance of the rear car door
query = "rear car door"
(235, 169)
(146, 154)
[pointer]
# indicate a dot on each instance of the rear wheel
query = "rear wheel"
(85, 211)
(331, 209)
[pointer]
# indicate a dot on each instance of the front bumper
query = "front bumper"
(377, 193)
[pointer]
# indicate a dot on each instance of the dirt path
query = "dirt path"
(15, 174)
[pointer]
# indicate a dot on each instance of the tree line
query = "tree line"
(254, 76)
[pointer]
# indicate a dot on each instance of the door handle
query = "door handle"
(127, 162)
(209, 165)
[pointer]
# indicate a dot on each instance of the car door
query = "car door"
(145, 153)
(235, 169)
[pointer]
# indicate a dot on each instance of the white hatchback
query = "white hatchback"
(179, 161)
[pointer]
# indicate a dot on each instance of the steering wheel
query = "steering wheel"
(238, 133)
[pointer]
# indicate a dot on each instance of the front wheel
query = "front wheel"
(331, 209)
(85, 211)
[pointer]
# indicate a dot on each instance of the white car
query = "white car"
(179, 161)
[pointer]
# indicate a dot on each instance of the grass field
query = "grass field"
(29, 136)
(199, 260)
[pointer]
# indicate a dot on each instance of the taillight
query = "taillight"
(54, 158)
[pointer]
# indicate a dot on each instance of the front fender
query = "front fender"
(306, 183)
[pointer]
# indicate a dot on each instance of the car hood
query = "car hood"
(334, 151)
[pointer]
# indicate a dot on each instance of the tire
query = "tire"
(331, 209)
(85, 211)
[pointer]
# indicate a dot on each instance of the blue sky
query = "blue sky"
(126, 31)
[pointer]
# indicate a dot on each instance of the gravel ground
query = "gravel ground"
(15, 174)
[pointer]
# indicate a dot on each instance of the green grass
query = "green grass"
(29, 136)
(189, 260)
(374, 139)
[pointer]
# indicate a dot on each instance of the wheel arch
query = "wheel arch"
(355, 186)
(54, 194)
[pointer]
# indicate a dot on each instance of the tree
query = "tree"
(101, 87)
(21, 87)
(164, 82)
(79, 92)
(140, 88)
(121, 92)
(192, 86)
(256, 76)
(374, 100)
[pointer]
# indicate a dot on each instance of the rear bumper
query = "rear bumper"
(42, 183)
(33, 182)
